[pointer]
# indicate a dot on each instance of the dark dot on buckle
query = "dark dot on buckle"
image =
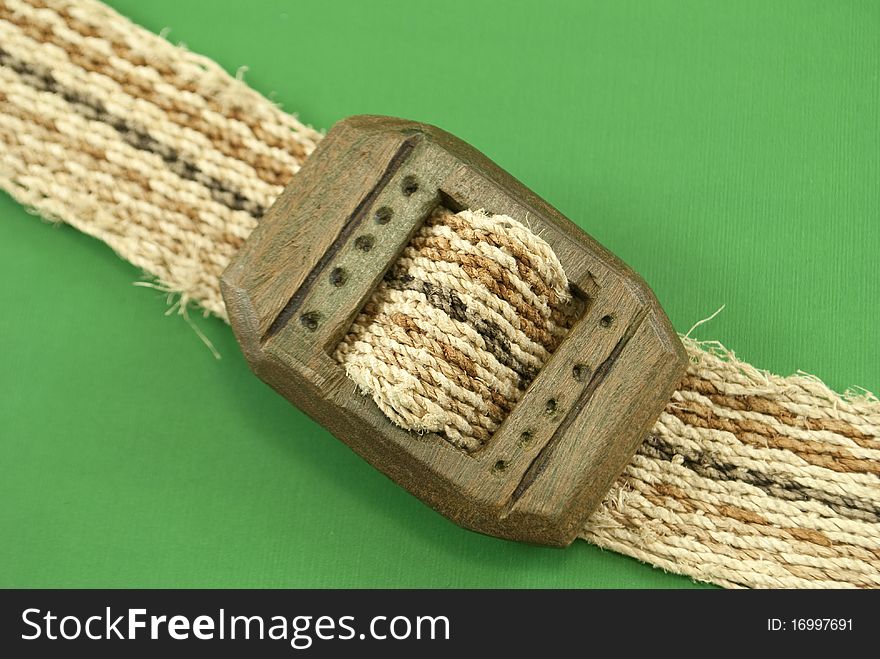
(310, 320)
(552, 406)
(410, 185)
(500, 466)
(364, 243)
(338, 276)
(580, 372)
(383, 215)
(606, 321)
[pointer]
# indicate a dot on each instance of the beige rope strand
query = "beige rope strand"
(197, 144)
(478, 291)
(747, 479)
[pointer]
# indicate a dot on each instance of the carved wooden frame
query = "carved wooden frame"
(296, 285)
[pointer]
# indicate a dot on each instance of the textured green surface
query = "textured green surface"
(729, 152)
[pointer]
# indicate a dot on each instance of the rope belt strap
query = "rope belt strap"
(748, 479)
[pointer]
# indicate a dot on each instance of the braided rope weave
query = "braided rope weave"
(747, 479)
(462, 323)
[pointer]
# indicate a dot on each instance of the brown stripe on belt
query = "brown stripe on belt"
(753, 403)
(41, 79)
(124, 51)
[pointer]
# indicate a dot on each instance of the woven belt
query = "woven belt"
(493, 339)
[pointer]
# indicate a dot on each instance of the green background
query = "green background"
(729, 152)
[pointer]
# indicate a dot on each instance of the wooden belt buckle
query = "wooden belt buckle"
(296, 285)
